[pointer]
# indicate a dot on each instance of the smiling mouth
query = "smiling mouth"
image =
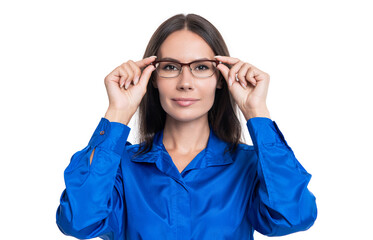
(185, 102)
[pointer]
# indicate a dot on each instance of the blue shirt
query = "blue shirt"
(219, 195)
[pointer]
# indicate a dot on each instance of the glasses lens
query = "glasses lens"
(203, 69)
(200, 69)
(168, 69)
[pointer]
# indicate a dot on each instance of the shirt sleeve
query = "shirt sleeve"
(92, 203)
(280, 203)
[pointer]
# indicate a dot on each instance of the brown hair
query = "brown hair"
(222, 116)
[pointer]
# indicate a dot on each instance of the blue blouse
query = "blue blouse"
(219, 195)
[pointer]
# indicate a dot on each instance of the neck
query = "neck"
(186, 137)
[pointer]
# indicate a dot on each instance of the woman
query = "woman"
(191, 177)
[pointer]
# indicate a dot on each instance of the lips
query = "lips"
(185, 102)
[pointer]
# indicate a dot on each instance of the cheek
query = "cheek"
(164, 88)
(210, 97)
(209, 90)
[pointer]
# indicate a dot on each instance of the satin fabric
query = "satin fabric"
(219, 195)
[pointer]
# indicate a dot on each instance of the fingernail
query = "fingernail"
(136, 80)
(217, 56)
(153, 56)
(127, 85)
(243, 85)
(230, 81)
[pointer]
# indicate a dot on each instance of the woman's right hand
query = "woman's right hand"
(125, 98)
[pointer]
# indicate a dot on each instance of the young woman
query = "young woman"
(191, 177)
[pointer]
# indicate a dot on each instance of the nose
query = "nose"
(186, 79)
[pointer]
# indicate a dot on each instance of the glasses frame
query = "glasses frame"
(186, 64)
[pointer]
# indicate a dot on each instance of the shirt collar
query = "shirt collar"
(216, 152)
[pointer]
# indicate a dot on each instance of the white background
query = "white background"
(54, 56)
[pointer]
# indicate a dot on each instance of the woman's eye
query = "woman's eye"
(170, 67)
(201, 67)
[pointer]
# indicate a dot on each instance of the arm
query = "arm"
(92, 204)
(281, 203)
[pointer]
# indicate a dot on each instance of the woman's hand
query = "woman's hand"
(248, 86)
(125, 98)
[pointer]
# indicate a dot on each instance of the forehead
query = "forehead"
(185, 46)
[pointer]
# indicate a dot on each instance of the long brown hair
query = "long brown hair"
(222, 116)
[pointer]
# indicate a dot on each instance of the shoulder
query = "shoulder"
(132, 148)
(244, 152)
(245, 147)
(137, 153)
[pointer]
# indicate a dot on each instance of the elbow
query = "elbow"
(64, 223)
(303, 220)
(65, 219)
(296, 220)
(74, 228)
(309, 214)
(67, 226)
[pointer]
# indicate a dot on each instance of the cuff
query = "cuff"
(264, 131)
(110, 135)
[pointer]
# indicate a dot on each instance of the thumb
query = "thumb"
(144, 79)
(224, 71)
(145, 62)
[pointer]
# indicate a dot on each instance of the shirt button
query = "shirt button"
(102, 132)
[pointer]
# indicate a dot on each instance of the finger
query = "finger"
(136, 71)
(227, 59)
(255, 75)
(241, 75)
(234, 70)
(146, 61)
(114, 76)
(130, 74)
(251, 76)
(122, 74)
(144, 79)
(224, 71)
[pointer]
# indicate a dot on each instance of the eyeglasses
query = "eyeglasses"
(172, 69)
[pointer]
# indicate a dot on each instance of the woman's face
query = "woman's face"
(185, 97)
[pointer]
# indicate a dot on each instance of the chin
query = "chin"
(185, 117)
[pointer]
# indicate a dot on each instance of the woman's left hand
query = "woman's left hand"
(248, 86)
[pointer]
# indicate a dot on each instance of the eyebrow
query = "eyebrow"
(175, 60)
